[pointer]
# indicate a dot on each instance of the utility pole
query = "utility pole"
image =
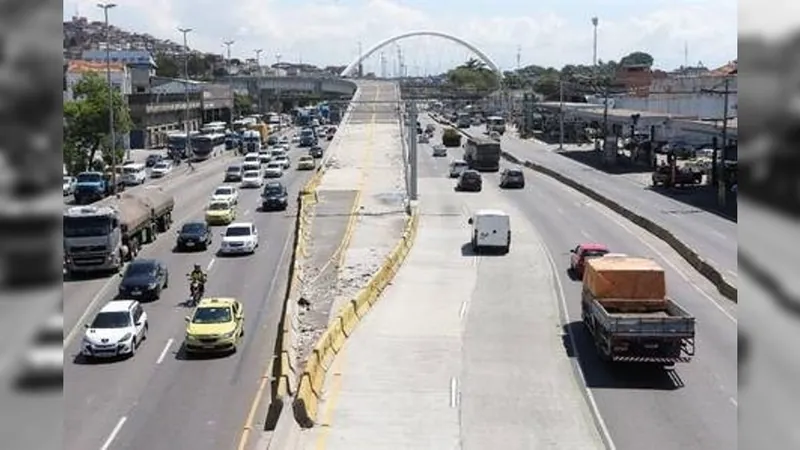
(720, 154)
(595, 21)
(230, 82)
(609, 150)
(258, 79)
(360, 63)
(112, 136)
(519, 57)
(561, 114)
(412, 147)
(186, 31)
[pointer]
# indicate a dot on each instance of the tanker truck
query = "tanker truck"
(101, 237)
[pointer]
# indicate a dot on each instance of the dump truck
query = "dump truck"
(451, 138)
(101, 237)
(626, 309)
(262, 129)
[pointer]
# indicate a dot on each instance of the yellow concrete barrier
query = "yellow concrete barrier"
(309, 389)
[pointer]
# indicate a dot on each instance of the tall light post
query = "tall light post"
(594, 46)
(112, 136)
(186, 31)
(258, 78)
(230, 81)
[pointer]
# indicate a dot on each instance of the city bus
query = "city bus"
(214, 128)
(204, 145)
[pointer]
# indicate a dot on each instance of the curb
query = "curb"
(310, 387)
(712, 274)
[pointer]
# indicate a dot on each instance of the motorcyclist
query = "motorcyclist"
(200, 277)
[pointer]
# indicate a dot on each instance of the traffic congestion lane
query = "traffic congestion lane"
(692, 407)
(163, 399)
(191, 194)
(714, 237)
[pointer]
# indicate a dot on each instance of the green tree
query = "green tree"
(168, 66)
(86, 122)
(474, 76)
(637, 59)
(242, 103)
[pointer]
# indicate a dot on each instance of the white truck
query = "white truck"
(101, 237)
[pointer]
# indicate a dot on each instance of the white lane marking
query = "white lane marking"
(732, 273)
(164, 352)
(463, 311)
(670, 263)
(586, 234)
(453, 392)
(735, 403)
(114, 433)
(210, 264)
(559, 210)
(89, 309)
(246, 212)
(576, 364)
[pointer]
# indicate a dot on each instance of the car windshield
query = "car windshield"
(237, 231)
(223, 191)
(273, 166)
(115, 319)
(234, 169)
(193, 228)
(593, 253)
(514, 173)
(86, 226)
(273, 189)
(143, 268)
(209, 314)
(89, 178)
(305, 159)
(218, 206)
(251, 174)
(161, 166)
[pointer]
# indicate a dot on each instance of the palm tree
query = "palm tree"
(473, 64)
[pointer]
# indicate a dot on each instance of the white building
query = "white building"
(121, 79)
(685, 96)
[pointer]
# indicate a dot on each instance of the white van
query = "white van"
(491, 228)
(134, 173)
(456, 167)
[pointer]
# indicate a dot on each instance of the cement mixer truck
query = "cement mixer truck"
(101, 237)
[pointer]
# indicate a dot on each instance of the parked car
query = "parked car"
(512, 178)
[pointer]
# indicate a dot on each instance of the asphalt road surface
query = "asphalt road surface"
(159, 399)
(714, 237)
(693, 407)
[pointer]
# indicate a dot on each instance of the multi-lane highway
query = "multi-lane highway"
(714, 237)
(160, 399)
(693, 407)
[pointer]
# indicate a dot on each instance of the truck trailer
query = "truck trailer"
(482, 154)
(101, 237)
(625, 307)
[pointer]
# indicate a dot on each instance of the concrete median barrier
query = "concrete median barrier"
(309, 388)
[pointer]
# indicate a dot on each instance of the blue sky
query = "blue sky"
(549, 33)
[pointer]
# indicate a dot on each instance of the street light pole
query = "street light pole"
(230, 82)
(112, 136)
(258, 79)
(186, 31)
(594, 47)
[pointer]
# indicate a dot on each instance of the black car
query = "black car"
(193, 235)
(512, 178)
(234, 173)
(272, 141)
(470, 180)
(152, 160)
(144, 279)
(315, 152)
(274, 197)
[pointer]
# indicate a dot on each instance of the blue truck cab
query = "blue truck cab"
(90, 187)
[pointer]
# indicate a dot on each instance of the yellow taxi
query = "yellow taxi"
(220, 212)
(216, 325)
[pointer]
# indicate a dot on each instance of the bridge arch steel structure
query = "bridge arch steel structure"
(488, 61)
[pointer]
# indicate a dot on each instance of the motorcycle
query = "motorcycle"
(195, 292)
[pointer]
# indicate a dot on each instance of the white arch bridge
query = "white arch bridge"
(483, 57)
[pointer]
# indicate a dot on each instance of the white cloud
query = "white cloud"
(327, 32)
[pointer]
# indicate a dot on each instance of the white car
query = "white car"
(264, 156)
(457, 167)
(251, 158)
(161, 169)
(226, 194)
(44, 360)
(252, 179)
(284, 140)
(273, 170)
(283, 161)
(239, 237)
(69, 185)
(295, 139)
(117, 330)
(439, 150)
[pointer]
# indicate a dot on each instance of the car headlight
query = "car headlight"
(152, 285)
(229, 335)
(126, 337)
